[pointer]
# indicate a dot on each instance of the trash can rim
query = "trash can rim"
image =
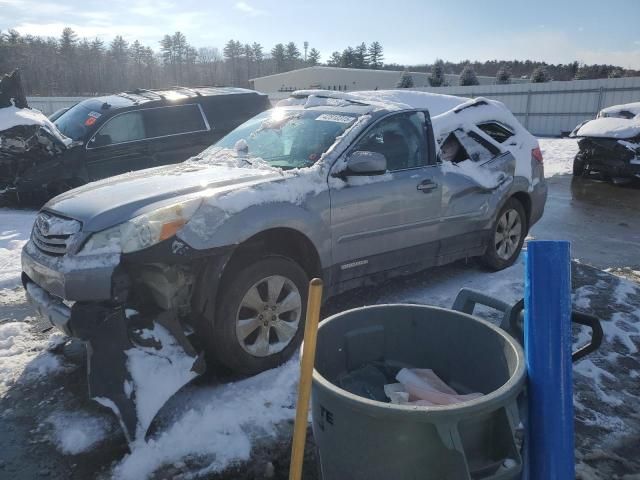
(511, 387)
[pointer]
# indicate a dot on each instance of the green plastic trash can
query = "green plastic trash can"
(361, 438)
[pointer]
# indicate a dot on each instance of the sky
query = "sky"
(411, 31)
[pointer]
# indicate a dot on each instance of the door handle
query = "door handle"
(427, 186)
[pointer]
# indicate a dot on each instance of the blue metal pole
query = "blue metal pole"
(547, 338)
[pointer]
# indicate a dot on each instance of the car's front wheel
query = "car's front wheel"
(507, 236)
(260, 314)
(579, 167)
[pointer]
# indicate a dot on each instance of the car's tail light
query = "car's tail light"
(537, 154)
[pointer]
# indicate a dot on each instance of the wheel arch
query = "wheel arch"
(525, 200)
(285, 241)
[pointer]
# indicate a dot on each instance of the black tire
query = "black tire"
(221, 341)
(579, 169)
(493, 258)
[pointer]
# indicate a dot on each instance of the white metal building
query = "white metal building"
(349, 79)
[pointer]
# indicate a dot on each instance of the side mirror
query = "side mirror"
(366, 163)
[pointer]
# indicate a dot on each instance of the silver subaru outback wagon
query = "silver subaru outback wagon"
(349, 187)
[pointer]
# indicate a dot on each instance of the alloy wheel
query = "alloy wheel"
(268, 317)
(508, 234)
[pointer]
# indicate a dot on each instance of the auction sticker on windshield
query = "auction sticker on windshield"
(328, 117)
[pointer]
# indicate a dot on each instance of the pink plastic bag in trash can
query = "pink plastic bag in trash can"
(424, 387)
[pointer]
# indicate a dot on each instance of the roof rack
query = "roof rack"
(327, 94)
(128, 97)
(142, 91)
(195, 92)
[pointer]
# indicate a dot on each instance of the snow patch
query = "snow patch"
(222, 424)
(77, 432)
(15, 228)
(558, 155)
(22, 355)
(156, 374)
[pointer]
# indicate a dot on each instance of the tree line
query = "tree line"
(69, 65)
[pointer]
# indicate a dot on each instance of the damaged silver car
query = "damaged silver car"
(217, 252)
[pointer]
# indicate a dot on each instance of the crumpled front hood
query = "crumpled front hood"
(108, 202)
(609, 127)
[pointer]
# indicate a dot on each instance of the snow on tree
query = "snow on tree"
(503, 76)
(406, 80)
(540, 75)
(375, 55)
(314, 57)
(468, 77)
(437, 78)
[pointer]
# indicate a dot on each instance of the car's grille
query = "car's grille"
(52, 234)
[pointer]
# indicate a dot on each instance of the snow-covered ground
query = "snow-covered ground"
(558, 155)
(218, 425)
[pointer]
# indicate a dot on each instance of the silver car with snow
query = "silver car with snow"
(353, 188)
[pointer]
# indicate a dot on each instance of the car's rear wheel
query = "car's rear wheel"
(507, 236)
(260, 314)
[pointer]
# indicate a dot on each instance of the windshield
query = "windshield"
(286, 138)
(76, 122)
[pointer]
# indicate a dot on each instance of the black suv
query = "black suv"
(135, 130)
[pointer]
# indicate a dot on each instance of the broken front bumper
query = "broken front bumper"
(90, 279)
(47, 306)
(610, 156)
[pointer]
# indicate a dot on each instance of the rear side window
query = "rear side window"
(164, 121)
(499, 133)
(459, 146)
(126, 127)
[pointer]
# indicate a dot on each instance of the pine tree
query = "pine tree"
(335, 60)
(67, 46)
(503, 76)
(375, 55)
(540, 75)
(278, 54)
(437, 78)
(314, 57)
(232, 51)
(406, 80)
(361, 56)
(615, 73)
(347, 60)
(468, 77)
(291, 55)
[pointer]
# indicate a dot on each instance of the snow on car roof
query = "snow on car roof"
(610, 127)
(379, 99)
(447, 112)
(614, 110)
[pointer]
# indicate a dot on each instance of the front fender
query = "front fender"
(213, 228)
